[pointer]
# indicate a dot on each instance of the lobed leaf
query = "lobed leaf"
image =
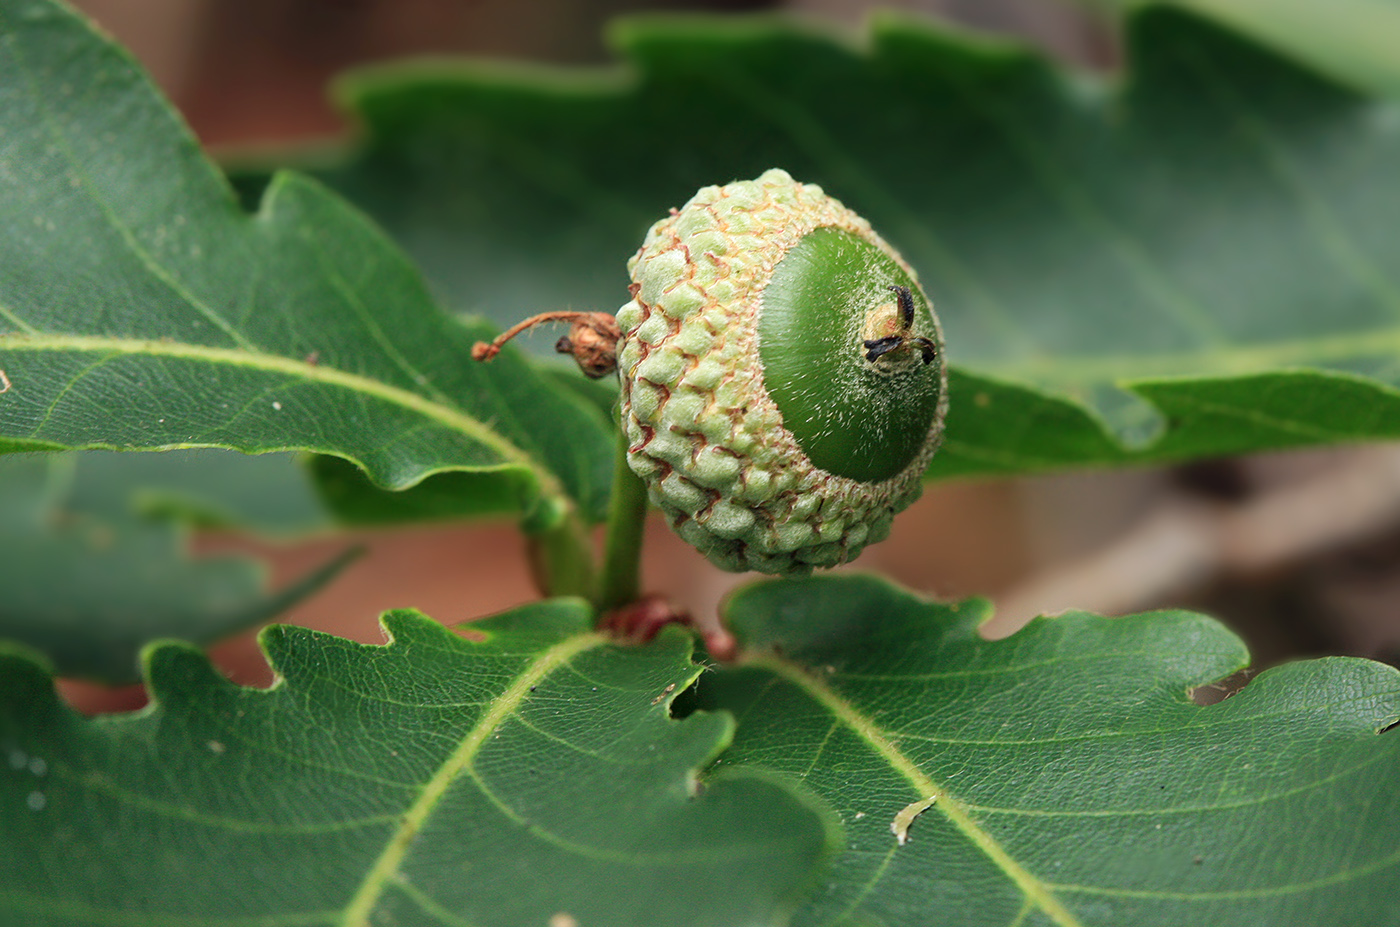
(141, 308)
(1353, 40)
(271, 494)
(526, 772)
(88, 582)
(1072, 780)
(1197, 258)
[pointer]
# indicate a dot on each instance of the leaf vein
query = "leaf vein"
(1079, 205)
(1338, 877)
(352, 299)
(18, 322)
(142, 255)
(447, 416)
(428, 905)
(1321, 219)
(1040, 892)
(365, 899)
(822, 148)
(1251, 801)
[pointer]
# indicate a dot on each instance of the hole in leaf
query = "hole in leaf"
(471, 634)
(1214, 692)
(686, 701)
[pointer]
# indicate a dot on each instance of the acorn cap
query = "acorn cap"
(783, 382)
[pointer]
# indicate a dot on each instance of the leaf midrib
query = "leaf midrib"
(1036, 891)
(1235, 360)
(439, 408)
(386, 868)
(446, 415)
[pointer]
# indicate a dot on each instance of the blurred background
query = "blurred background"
(1298, 552)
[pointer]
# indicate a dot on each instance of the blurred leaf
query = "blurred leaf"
(1355, 41)
(265, 493)
(1075, 781)
(526, 773)
(88, 584)
(1128, 271)
(141, 308)
(353, 499)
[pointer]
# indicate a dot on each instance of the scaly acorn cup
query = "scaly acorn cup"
(783, 382)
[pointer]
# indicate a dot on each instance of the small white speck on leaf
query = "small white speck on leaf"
(563, 920)
(664, 692)
(277, 406)
(859, 815)
(215, 746)
(36, 801)
(900, 825)
(38, 766)
(18, 759)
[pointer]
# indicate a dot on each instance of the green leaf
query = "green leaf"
(354, 500)
(999, 428)
(140, 307)
(1149, 268)
(270, 494)
(88, 583)
(1076, 783)
(1355, 41)
(527, 771)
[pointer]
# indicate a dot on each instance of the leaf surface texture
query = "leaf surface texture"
(1074, 782)
(141, 307)
(523, 770)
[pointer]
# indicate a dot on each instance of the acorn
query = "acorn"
(782, 373)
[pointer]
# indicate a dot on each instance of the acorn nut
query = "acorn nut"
(783, 380)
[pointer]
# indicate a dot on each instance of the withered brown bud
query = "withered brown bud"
(592, 340)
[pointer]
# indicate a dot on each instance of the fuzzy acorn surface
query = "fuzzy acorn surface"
(783, 382)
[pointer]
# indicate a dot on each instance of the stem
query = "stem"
(622, 556)
(485, 350)
(562, 560)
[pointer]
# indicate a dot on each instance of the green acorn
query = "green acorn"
(783, 382)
